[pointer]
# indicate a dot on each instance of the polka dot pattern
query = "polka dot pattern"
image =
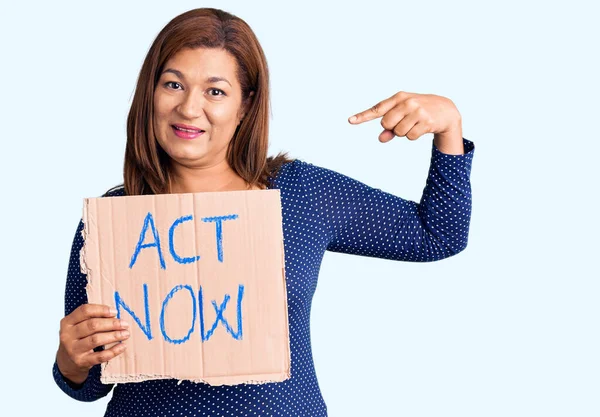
(322, 210)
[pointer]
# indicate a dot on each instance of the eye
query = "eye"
(170, 82)
(216, 89)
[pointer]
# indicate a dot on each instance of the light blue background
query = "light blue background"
(509, 327)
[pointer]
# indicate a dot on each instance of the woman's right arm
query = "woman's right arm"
(83, 330)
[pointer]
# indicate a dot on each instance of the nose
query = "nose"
(191, 105)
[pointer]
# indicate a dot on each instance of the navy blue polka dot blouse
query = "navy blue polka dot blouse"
(322, 210)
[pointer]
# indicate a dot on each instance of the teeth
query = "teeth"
(186, 130)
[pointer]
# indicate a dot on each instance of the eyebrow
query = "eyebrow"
(213, 79)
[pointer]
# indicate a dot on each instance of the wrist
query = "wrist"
(450, 141)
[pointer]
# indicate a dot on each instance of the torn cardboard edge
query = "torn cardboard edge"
(257, 379)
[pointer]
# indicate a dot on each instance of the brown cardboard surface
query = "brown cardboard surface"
(240, 276)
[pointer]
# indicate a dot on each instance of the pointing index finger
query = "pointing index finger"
(378, 110)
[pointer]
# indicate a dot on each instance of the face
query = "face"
(198, 88)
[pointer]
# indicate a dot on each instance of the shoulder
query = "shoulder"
(116, 191)
(301, 169)
(293, 173)
(313, 175)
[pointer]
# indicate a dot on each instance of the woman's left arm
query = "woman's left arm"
(368, 221)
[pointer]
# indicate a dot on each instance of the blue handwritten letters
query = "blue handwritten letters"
(149, 221)
(197, 309)
(196, 300)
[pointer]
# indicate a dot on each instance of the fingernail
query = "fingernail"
(353, 118)
(124, 324)
(125, 333)
(113, 311)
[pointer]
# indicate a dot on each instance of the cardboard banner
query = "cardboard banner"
(201, 280)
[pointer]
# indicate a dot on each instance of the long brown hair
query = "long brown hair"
(147, 166)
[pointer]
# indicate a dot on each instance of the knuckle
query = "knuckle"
(86, 362)
(79, 361)
(63, 337)
(86, 309)
(375, 108)
(411, 102)
(92, 325)
(95, 340)
(105, 355)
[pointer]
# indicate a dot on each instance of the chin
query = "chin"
(178, 149)
(188, 158)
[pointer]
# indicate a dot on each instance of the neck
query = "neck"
(215, 177)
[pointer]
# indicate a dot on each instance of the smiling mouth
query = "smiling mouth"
(187, 130)
(186, 133)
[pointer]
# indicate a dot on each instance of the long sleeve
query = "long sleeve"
(75, 295)
(367, 221)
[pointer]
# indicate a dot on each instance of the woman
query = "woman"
(204, 86)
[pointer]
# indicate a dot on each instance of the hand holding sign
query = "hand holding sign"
(412, 115)
(87, 327)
